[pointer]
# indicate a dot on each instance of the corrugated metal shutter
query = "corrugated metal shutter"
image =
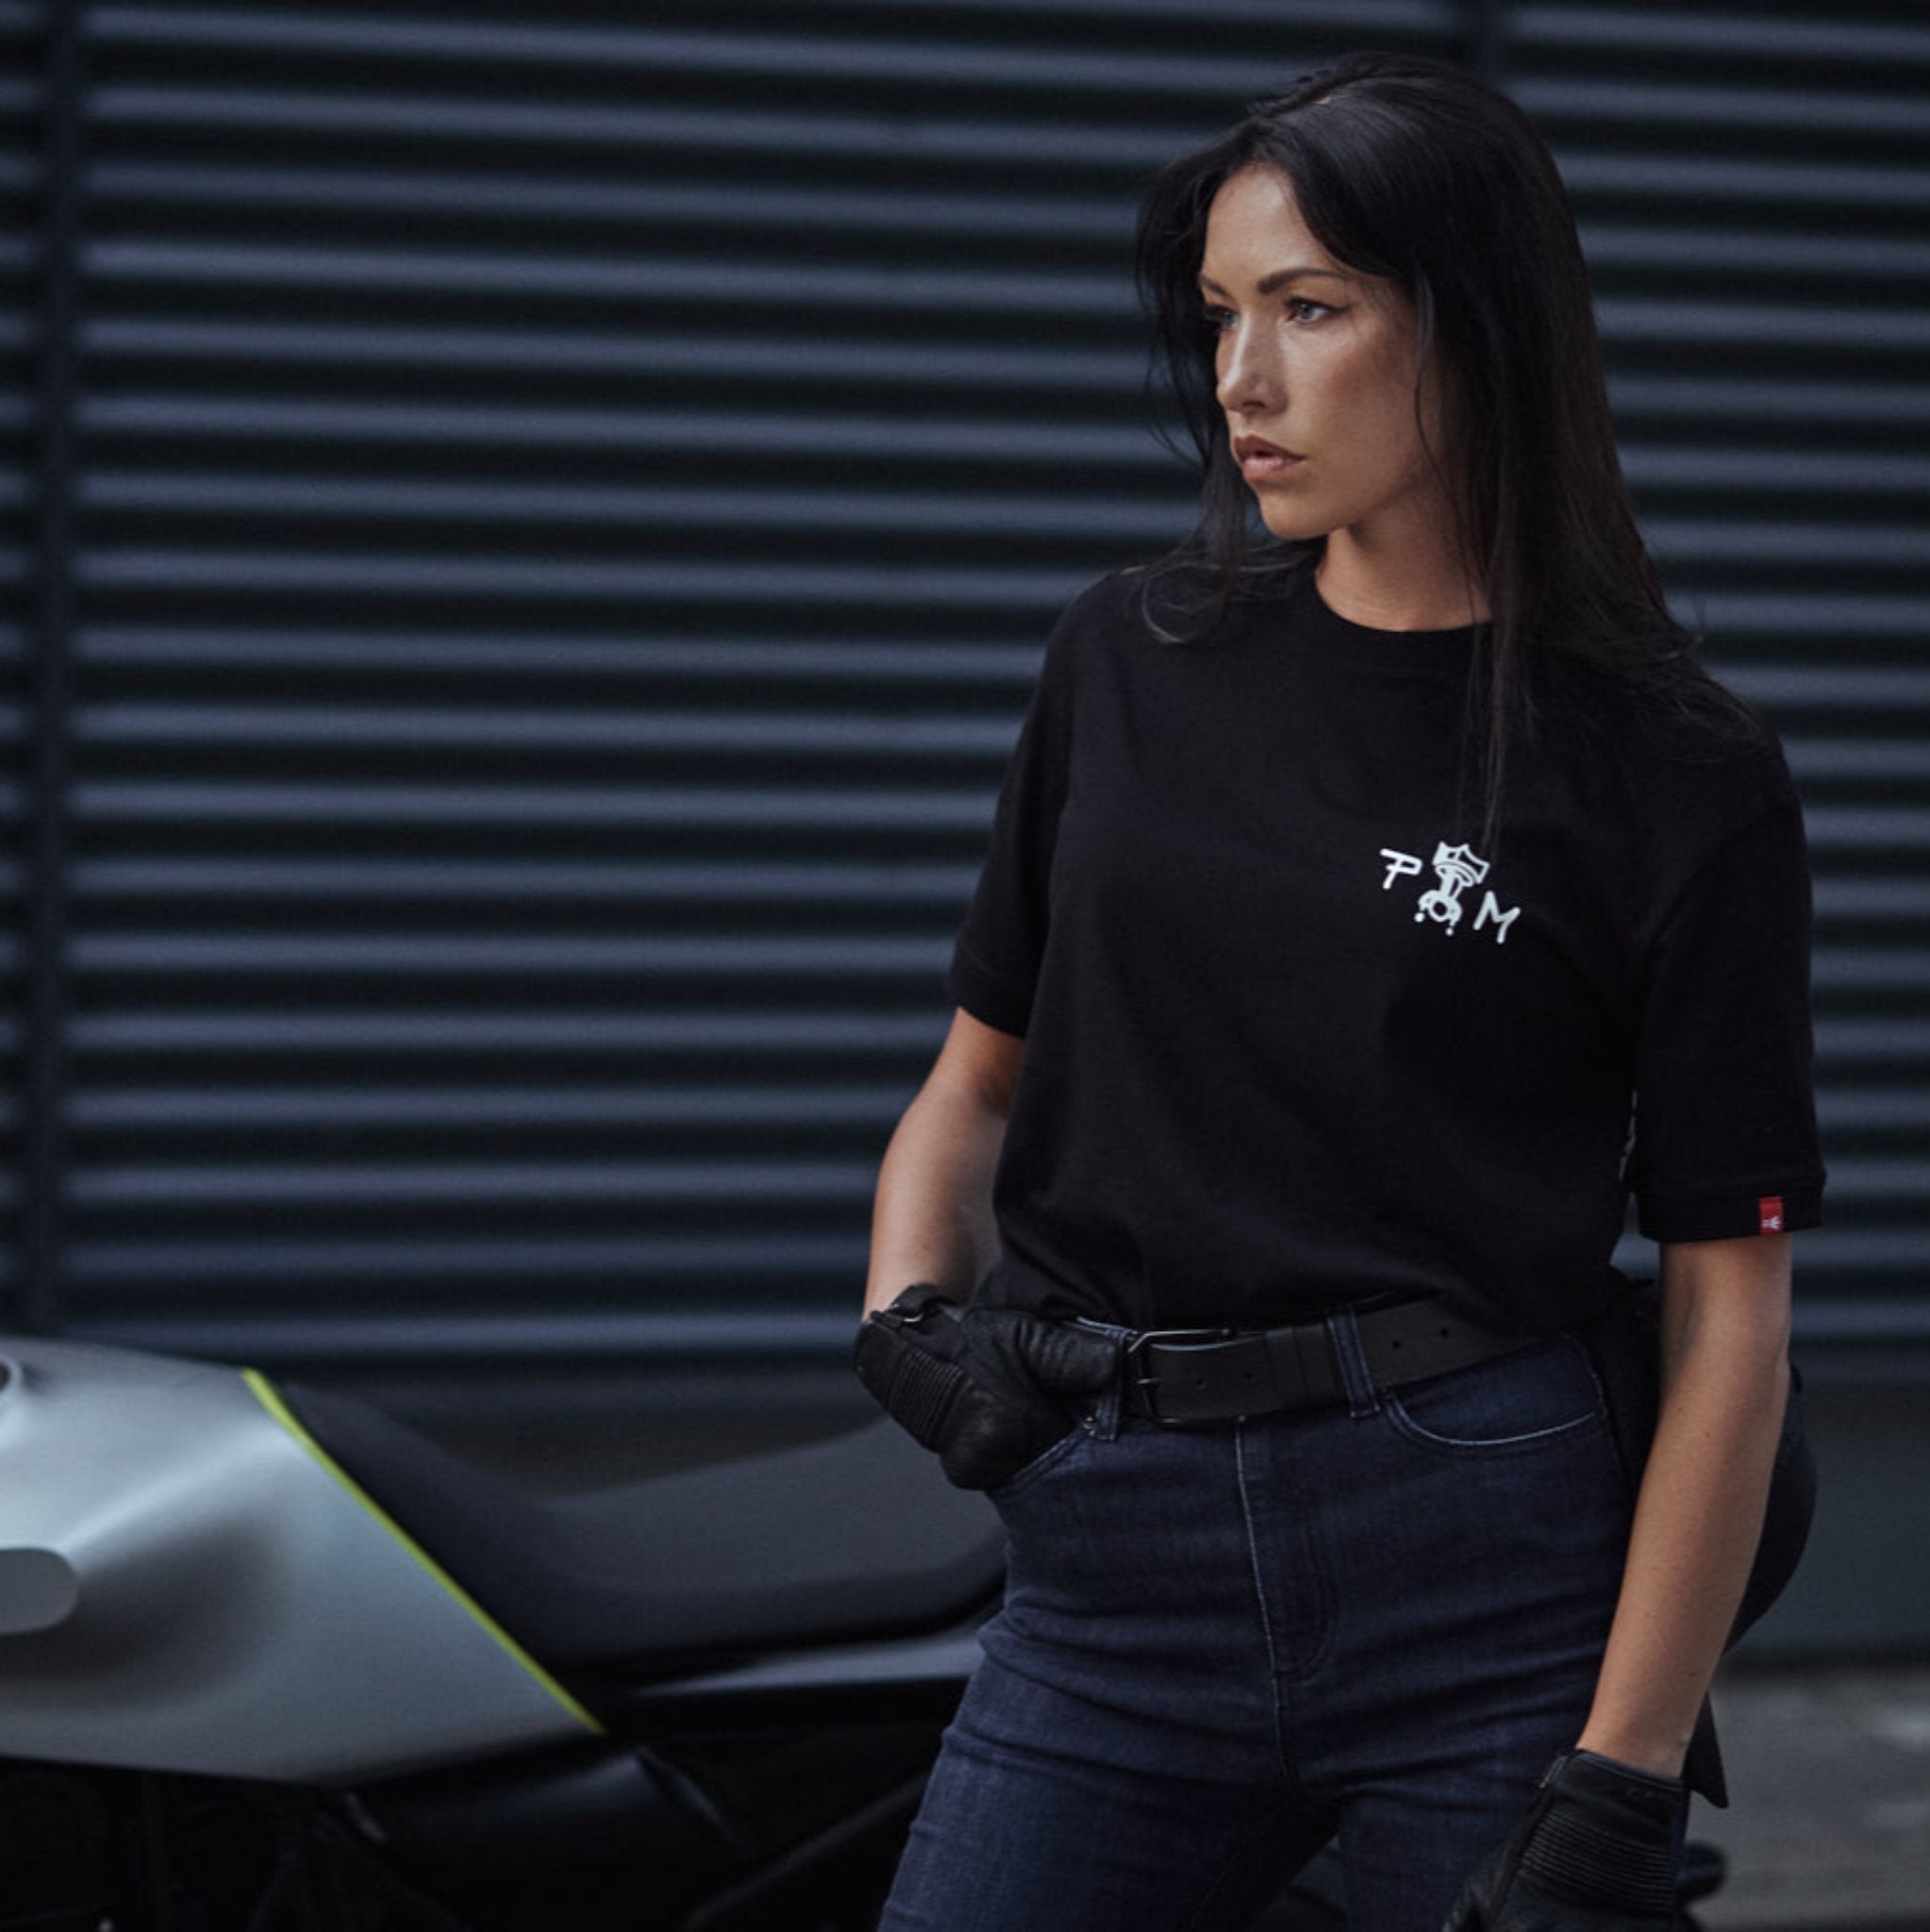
(569, 507)
(565, 506)
(27, 963)
(1752, 182)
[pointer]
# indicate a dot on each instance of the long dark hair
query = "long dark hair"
(1420, 173)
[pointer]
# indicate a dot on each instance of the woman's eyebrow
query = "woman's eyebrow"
(1267, 285)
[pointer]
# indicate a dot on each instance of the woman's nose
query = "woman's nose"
(1245, 381)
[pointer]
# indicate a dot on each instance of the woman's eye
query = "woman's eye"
(1218, 321)
(1302, 308)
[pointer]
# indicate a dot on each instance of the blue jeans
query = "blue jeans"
(1221, 1646)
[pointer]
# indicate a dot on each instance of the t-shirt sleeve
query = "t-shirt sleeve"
(996, 961)
(1725, 1141)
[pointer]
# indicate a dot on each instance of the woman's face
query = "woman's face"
(1319, 372)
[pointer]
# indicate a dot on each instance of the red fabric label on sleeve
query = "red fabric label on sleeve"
(1769, 1214)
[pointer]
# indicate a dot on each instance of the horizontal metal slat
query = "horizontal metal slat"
(1873, 1109)
(476, 1108)
(187, 1188)
(912, 64)
(1872, 828)
(655, 280)
(1796, 472)
(1863, 1318)
(1816, 258)
(1443, 18)
(1866, 760)
(431, 578)
(1808, 618)
(319, 502)
(814, 734)
(1897, 901)
(1739, 325)
(1901, 1186)
(261, 958)
(489, 657)
(430, 196)
(480, 807)
(1895, 691)
(1828, 547)
(1898, 1042)
(392, 1029)
(1713, 397)
(748, 50)
(391, 428)
(499, 125)
(285, 880)
(517, 1337)
(1761, 34)
(1646, 104)
(1870, 968)
(224, 341)
(1847, 1109)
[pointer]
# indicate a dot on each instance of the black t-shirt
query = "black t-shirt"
(1294, 1037)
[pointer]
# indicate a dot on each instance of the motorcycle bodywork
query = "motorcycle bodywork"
(269, 1659)
(188, 1583)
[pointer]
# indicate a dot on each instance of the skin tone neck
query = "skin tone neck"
(1333, 412)
(1368, 585)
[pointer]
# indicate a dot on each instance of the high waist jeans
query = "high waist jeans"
(1218, 1646)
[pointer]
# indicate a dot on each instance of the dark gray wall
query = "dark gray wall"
(530, 530)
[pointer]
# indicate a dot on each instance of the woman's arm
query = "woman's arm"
(1725, 1338)
(932, 1219)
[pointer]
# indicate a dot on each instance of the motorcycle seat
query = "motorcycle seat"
(854, 1538)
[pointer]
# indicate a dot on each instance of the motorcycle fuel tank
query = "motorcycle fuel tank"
(188, 1583)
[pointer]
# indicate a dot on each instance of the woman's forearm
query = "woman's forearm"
(1699, 1516)
(931, 1217)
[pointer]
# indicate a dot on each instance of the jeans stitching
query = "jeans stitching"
(1259, 1588)
(1426, 1437)
(1045, 1462)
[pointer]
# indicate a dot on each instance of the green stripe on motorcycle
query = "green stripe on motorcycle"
(270, 1399)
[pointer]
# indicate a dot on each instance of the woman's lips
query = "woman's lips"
(1261, 461)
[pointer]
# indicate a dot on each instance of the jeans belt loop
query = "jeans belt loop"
(1350, 1359)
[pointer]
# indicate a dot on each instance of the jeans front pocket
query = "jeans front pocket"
(1513, 1405)
(1048, 1458)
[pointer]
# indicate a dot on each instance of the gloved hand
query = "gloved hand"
(988, 1389)
(1595, 1851)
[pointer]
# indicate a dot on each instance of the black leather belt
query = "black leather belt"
(1184, 1376)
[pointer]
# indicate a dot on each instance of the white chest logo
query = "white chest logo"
(1455, 868)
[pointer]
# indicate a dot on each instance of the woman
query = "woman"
(1348, 886)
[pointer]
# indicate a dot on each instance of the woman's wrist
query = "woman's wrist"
(1661, 1754)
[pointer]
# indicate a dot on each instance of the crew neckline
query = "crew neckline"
(1323, 630)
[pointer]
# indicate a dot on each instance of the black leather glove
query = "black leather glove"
(1595, 1851)
(988, 1389)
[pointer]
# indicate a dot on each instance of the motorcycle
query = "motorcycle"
(271, 1661)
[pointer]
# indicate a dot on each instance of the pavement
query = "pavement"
(1828, 1827)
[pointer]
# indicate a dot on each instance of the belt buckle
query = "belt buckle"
(1148, 1385)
